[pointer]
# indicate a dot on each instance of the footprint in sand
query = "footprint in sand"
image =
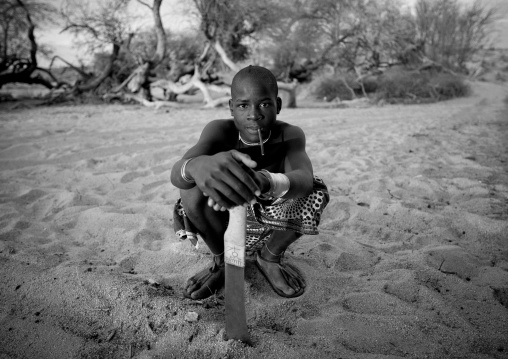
(30, 197)
(150, 240)
(455, 260)
(17, 151)
(21, 225)
(131, 176)
(336, 215)
(377, 303)
(351, 262)
(150, 186)
(7, 219)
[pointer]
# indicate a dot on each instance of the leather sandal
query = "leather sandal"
(212, 278)
(289, 273)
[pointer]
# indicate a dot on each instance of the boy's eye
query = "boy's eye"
(264, 105)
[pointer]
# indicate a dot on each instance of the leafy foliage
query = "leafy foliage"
(341, 87)
(447, 86)
(399, 85)
(344, 34)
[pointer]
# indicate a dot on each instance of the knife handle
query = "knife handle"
(234, 238)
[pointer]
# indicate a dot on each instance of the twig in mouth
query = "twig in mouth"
(261, 142)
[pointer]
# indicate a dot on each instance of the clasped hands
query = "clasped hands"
(228, 179)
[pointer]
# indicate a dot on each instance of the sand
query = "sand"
(411, 260)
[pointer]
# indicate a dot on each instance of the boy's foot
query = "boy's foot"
(207, 282)
(285, 280)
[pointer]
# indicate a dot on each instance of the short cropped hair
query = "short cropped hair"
(259, 73)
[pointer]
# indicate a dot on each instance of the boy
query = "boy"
(256, 161)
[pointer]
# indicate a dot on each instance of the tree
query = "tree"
(104, 25)
(452, 33)
(314, 33)
(290, 41)
(227, 24)
(18, 47)
(107, 24)
(385, 33)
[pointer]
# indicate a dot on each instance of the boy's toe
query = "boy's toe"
(204, 284)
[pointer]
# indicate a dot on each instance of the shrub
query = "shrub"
(330, 88)
(448, 86)
(417, 87)
(370, 84)
(396, 86)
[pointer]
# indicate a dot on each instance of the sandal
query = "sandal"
(207, 282)
(289, 273)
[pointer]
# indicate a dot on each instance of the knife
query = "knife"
(234, 257)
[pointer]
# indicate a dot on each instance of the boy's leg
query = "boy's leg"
(211, 225)
(285, 280)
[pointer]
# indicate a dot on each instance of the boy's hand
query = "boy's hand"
(260, 180)
(223, 178)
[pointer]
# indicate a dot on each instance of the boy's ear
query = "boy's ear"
(279, 105)
(231, 106)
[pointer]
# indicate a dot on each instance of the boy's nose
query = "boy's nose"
(254, 114)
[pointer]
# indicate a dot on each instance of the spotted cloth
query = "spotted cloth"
(301, 215)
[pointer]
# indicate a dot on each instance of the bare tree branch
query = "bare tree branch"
(77, 69)
(145, 4)
(105, 73)
(160, 51)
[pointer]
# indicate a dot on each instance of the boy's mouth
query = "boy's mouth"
(253, 130)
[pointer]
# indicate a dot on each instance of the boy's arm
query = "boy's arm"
(217, 173)
(297, 165)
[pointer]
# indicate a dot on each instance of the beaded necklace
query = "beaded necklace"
(253, 143)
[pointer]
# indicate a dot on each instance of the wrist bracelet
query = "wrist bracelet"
(265, 195)
(279, 184)
(182, 172)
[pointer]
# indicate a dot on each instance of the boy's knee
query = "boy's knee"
(284, 235)
(196, 207)
(193, 201)
(192, 197)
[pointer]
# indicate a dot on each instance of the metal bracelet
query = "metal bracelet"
(279, 184)
(182, 172)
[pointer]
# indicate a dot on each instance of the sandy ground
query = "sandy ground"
(411, 261)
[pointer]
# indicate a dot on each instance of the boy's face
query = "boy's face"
(253, 105)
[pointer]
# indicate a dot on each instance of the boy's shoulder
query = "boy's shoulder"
(289, 129)
(218, 130)
(221, 124)
(285, 125)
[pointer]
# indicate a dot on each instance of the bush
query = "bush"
(448, 86)
(337, 87)
(401, 86)
(370, 84)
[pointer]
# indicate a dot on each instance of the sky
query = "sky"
(176, 15)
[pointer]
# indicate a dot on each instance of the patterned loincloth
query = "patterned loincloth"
(301, 215)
